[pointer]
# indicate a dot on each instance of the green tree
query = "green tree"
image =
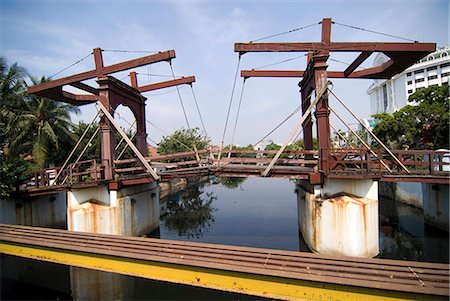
(42, 123)
(423, 124)
(12, 95)
(182, 141)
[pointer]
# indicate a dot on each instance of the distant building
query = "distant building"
(391, 95)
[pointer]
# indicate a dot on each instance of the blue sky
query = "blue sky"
(47, 36)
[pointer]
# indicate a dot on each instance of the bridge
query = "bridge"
(107, 189)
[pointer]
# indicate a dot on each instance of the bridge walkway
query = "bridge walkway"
(261, 272)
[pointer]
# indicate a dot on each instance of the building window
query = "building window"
(418, 71)
(410, 91)
(432, 77)
(408, 74)
(421, 88)
(445, 74)
(410, 82)
(385, 98)
(445, 65)
(420, 80)
(432, 68)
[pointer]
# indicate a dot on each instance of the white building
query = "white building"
(391, 95)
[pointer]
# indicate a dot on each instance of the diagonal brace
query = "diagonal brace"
(297, 127)
(128, 141)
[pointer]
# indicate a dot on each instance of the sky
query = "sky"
(47, 36)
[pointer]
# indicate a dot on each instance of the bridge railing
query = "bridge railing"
(377, 162)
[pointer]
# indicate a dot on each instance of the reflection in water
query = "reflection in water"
(190, 212)
(405, 235)
(232, 183)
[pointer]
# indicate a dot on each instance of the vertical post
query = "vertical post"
(141, 130)
(133, 79)
(98, 59)
(322, 111)
(107, 139)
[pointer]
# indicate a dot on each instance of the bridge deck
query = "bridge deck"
(262, 272)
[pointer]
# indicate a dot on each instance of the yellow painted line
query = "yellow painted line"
(244, 283)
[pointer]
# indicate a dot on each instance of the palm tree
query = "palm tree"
(12, 93)
(43, 123)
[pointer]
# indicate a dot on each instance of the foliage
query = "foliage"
(232, 182)
(182, 141)
(422, 125)
(191, 214)
(42, 123)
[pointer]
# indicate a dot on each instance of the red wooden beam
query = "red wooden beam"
(150, 59)
(85, 87)
(272, 73)
(357, 62)
(167, 84)
(334, 46)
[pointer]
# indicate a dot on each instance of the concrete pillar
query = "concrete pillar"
(340, 218)
(132, 211)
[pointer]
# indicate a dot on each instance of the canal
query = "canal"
(255, 212)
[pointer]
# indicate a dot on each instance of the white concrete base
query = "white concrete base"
(42, 211)
(341, 218)
(130, 211)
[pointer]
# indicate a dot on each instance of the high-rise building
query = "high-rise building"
(392, 94)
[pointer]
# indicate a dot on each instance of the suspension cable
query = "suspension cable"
(376, 32)
(285, 32)
(75, 147)
(237, 115)
(359, 138)
(83, 151)
(179, 97)
(280, 124)
(77, 62)
(229, 105)
(198, 109)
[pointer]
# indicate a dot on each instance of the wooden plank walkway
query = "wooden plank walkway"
(262, 272)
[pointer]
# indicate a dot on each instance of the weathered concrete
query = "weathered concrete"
(130, 211)
(340, 218)
(436, 205)
(42, 211)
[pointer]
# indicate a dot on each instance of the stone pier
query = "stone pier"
(132, 211)
(340, 218)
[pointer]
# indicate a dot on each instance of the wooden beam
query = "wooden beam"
(358, 61)
(272, 73)
(150, 59)
(83, 97)
(85, 87)
(334, 46)
(167, 84)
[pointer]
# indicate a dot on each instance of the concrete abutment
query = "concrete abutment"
(340, 218)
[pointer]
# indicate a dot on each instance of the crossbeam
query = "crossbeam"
(150, 59)
(335, 46)
(160, 85)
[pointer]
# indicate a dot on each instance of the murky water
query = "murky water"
(252, 212)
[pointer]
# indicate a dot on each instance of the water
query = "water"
(253, 212)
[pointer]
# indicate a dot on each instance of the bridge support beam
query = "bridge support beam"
(340, 217)
(132, 211)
